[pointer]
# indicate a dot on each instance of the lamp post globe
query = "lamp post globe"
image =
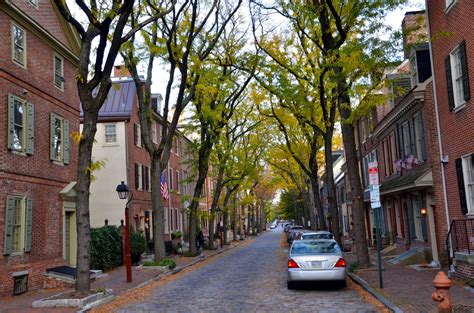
(124, 192)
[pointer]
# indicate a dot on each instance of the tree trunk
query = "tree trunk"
(317, 203)
(82, 201)
(158, 210)
(354, 179)
(331, 186)
(234, 218)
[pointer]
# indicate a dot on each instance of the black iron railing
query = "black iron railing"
(460, 238)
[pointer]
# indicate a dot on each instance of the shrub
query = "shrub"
(106, 247)
(190, 254)
(353, 267)
(167, 262)
(137, 241)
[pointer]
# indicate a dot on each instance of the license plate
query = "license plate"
(316, 264)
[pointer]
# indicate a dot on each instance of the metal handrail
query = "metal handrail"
(458, 237)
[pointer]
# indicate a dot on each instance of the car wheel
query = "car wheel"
(290, 285)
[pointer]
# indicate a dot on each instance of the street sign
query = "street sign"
(375, 194)
(375, 205)
(373, 173)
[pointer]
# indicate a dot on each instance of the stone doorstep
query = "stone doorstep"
(57, 301)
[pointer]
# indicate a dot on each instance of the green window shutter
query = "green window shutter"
(7, 242)
(29, 224)
(465, 77)
(422, 136)
(11, 120)
(461, 186)
(30, 129)
(449, 82)
(411, 128)
(66, 142)
(52, 116)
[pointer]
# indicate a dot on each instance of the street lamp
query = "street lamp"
(124, 192)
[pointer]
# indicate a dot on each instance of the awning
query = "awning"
(416, 179)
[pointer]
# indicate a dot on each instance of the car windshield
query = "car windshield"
(317, 236)
(315, 247)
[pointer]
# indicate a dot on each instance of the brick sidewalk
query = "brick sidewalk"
(411, 289)
(115, 279)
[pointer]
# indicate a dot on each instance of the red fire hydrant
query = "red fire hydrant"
(441, 294)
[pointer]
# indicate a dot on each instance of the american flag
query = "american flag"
(164, 187)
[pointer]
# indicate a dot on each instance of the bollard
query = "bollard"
(441, 294)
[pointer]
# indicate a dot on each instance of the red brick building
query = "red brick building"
(39, 111)
(453, 165)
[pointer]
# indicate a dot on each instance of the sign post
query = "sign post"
(376, 206)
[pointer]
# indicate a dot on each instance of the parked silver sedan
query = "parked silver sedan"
(316, 260)
(320, 234)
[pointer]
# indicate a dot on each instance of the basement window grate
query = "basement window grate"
(20, 284)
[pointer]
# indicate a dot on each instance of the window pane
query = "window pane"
(110, 133)
(18, 126)
(58, 72)
(17, 234)
(58, 136)
(18, 44)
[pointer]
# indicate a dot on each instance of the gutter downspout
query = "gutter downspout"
(438, 129)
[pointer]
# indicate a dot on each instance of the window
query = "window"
(369, 158)
(58, 72)
(59, 138)
(406, 138)
(110, 133)
(154, 134)
(18, 224)
(138, 176)
(170, 177)
(466, 183)
(137, 132)
(18, 45)
(457, 77)
(419, 137)
(20, 125)
(449, 4)
(177, 181)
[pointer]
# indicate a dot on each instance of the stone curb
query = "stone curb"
(388, 304)
(70, 302)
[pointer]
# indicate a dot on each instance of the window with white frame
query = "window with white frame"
(20, 125)
(177, 182)
(457, 77)
(58, 72)
(18, 225)
(59, 138)
(369, 158)
(170, 177)
(110, 133)
(468, 168)
(449, 3)
(19, 45)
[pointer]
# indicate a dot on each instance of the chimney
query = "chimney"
(121, 71)
(414, 30)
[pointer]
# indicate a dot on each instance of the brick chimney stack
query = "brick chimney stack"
(121, 71)
(414, 30)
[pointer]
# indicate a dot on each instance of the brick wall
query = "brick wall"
(35, 176)
(457, 128)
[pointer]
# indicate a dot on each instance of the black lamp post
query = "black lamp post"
(124, 192)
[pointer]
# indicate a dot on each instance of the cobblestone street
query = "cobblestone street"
(247, 279)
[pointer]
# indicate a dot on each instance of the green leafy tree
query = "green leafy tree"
(105, 29)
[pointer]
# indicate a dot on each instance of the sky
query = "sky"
(394, 19)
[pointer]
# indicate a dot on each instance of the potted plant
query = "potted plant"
(137, 244)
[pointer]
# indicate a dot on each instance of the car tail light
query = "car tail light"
(292, 264)
(340, 263)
